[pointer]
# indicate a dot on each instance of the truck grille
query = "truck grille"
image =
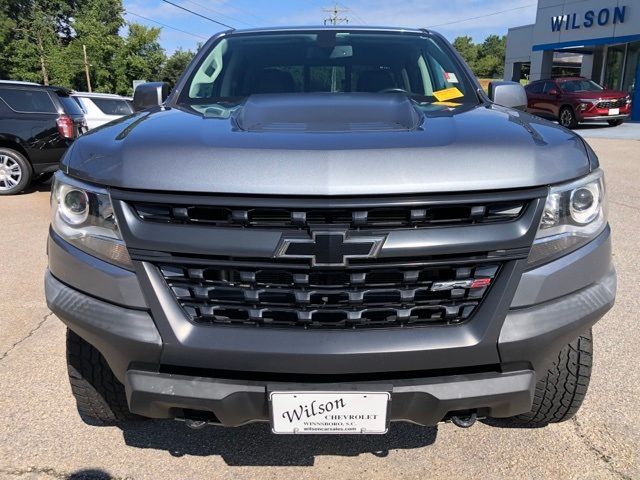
(406, 216)
(283, 296)
(301, 262)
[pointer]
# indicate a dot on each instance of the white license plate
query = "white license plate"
(329, 412)
(614, 111)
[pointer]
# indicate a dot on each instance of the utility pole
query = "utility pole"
(335, 19)
(43, 65)
(86, 67)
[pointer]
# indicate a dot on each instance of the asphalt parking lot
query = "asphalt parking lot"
(626, 131)
(41, 435)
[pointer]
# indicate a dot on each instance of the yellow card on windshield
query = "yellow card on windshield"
(448, 94)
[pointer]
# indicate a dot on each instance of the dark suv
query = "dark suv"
(573, 100)
(329, 229)
(37, 125)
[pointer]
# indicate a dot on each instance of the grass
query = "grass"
(484, 82)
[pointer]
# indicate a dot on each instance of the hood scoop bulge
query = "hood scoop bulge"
(328, 112)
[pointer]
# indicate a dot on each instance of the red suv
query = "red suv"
(572, 100)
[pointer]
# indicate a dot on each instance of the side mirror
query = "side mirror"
(554, 91)
(149, 95)
(508, 94)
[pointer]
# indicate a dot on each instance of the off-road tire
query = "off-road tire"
(25, 170)
(559, 394)
(100, 397)
(568, 118)
(615, 123)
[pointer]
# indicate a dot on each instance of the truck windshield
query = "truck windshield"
(240, 65)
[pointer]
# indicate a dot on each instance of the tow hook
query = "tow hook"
(464, 421)
(195, 424)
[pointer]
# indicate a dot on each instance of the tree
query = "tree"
(493, 49)
(42, 41)
(489, 66)
(485, 59)
(140, 58)
(34, 35)
(493, 45)
(175, 65)
(35, 45)
(97, 24)
(466, 48)
(7, 25)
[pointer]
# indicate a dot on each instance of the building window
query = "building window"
(613, 69)
(630, 82)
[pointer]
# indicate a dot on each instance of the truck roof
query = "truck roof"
(340, 28)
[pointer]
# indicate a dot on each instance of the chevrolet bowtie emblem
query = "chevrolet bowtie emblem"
(329, 249)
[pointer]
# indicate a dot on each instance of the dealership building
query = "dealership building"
(596, 39)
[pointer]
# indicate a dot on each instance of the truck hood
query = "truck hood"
(393, 147)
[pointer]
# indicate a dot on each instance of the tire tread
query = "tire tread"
(100, 397)
(559, 395)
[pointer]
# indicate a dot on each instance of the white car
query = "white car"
(100, 108)
(20, 82)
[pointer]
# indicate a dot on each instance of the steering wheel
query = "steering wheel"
(393, 90)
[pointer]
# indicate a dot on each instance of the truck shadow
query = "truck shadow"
(506, 423)
(37, 187)
(255, 445)
(89, 474)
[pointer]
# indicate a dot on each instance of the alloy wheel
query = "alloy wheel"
(10, 173)
(566, 118)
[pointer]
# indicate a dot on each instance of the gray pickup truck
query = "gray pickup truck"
(329, 229)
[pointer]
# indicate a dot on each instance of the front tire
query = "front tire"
(615, 123)
(100, 397)
(15, 172)
(568, 118)
(559, 393)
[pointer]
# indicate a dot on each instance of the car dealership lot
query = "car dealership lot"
(626, 131)
(43, 436)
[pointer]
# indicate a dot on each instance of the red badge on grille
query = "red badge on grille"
(481, 282)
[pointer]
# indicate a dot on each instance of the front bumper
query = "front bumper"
(604, 118)
(425, 401)
(171, 367)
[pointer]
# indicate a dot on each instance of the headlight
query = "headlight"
(83, 216)
(574, 214)
(587, 104)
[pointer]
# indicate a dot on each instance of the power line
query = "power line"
(353, 12)
(165, 25)
(246, 12)
(482, 16)
(334, 19)
(218, 13)
(344, 9)
(197, 14)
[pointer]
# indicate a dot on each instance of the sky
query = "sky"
(452, 18)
